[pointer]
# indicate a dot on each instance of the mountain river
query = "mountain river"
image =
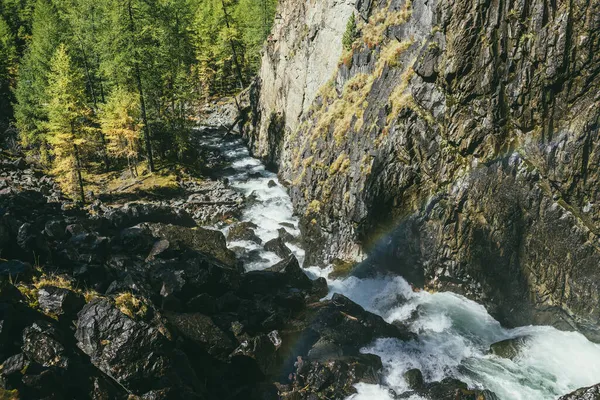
(454, 333)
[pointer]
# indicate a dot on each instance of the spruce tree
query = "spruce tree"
(31, 94)
(350, 34)
(8, 59)
(67, 114)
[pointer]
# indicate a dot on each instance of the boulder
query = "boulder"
(206, 241)
(133, 353)
(204, 303)
(586, 393)
(278, 247)
(324, 350)
(263, 350)
(285, 236)
(43, 343)
(190, 274)
(451, 389)
(15, 270)
(31, 241)
(134, 213)
(14, 364)
(346, 324)
(60, 301)
(201, 330)
(293, 275)
(55, 229)
(509, 348)
(414, 379)
(334, 379)
(243, 231)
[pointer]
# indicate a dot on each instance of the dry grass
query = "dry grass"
(341, 164)
(373, 31)
(313, 207)
(131, 305)
(122, 182)
(6, 394)
(30, 293)
(60, 281)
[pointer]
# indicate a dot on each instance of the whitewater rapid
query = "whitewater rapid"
(454, 333)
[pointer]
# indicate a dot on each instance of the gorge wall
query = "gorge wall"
(456, 144)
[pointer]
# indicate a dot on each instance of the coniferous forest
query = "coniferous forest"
(99, 85)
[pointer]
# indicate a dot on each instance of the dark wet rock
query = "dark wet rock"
(15, 270)
(135, 213)
(333, 379)
(31, 241)
(450, 389)
(15, 364)
(293, 274)
(324, 350)
(201, 330)
(286, 236)
(243, 231)
(74, 229)
(414, 379)
(43, 344)
(191, 274)
(59, 301)
(134, 353)
(248, 256)
(262, 350)
(509, 348)
(45, 383)
(136, 239)
(55, 229)
(272, 183)
(278, 247)
(206, 241)
(587, 393)
(203, 303)
(287, 225)
(319, 288)
(159, 247)
(346, 324)
(228, 302)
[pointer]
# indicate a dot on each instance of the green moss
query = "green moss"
(341, 268)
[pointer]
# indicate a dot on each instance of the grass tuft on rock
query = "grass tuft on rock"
(6, 394)
(131, 305)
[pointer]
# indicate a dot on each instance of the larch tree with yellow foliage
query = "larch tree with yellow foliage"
(120, 120)
(67, 121)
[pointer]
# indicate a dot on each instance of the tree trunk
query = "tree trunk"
(235, 59)
(78, 170)
(138, 79)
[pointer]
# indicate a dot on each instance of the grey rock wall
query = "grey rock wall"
(457, 144)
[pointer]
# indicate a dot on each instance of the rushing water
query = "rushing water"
(454, 333)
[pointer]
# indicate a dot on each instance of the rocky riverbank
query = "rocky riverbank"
(138, 301)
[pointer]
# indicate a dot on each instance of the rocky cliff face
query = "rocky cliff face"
(457, 144)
